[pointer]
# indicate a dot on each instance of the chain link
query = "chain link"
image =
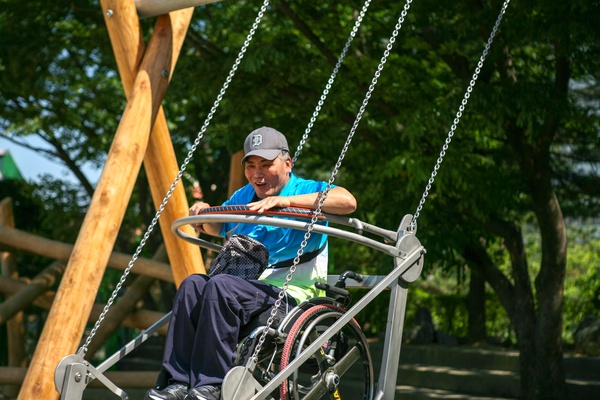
(413, 224)
(335, 171)
(337, 67)
(187, 160)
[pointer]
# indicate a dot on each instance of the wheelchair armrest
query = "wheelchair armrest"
(340, 295)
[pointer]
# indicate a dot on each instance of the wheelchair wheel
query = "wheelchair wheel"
(342, 368)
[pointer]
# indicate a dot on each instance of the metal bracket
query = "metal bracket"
(73, 374)
(239, 383)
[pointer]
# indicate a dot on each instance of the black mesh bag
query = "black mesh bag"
(241, 256)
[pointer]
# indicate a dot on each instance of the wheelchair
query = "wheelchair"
(346, 354)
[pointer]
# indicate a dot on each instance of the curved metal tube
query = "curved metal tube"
(287, 223)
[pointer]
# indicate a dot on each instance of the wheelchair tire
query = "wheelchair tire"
(342, 368)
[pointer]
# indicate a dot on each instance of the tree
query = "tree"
(535, 116)
(58, 81)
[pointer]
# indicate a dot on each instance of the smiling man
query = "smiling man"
(200, 345)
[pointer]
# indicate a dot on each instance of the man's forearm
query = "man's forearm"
(212, 229)
(339, 201)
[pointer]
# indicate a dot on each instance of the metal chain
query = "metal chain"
(461, 109)
(187, 160)
(337, 67)
(335, 171)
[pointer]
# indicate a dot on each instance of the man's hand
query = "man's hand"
(269, 203)
(197, 207)
(210, 228)
(339, 201)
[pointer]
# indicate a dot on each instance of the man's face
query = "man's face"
(268, 177)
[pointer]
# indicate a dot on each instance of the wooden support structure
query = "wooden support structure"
(142, 135)
(139, 319)
(159, 161)
(15, 327)
(27, 295)
(17, 239)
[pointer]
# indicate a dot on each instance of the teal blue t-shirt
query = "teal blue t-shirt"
(282, 243)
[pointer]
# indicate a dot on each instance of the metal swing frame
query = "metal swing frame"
(408, 255)
(73, 373)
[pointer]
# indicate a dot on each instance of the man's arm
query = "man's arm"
(339, 201)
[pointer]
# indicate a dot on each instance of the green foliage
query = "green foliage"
(446, 298)
(445, 295)
(58, 80)
(582, 284)
(53, 217)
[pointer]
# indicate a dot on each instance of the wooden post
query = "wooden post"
(237, 178)
(160, 161)
(74, 298)
(152, 8)
(15, 328)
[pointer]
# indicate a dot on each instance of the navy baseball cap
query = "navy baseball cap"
(265, 142)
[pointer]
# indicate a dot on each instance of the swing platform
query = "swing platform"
(307, 327)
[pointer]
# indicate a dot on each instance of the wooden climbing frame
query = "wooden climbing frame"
(142, 136)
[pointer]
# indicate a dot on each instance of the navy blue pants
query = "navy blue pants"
(200, 346)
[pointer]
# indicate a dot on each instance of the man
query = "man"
(201, 340)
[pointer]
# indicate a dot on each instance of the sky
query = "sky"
(32, 164)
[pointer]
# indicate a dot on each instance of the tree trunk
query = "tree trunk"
(541, 348)
(538, 329)
(476, 307)
(549, 286)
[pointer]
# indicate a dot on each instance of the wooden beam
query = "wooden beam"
(10, 286)
(27, 295)
(152, 8)
(139, 319)
(28, 242)
(160, 161)
(74, 299)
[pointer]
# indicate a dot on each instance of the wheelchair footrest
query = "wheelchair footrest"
(239, 384)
